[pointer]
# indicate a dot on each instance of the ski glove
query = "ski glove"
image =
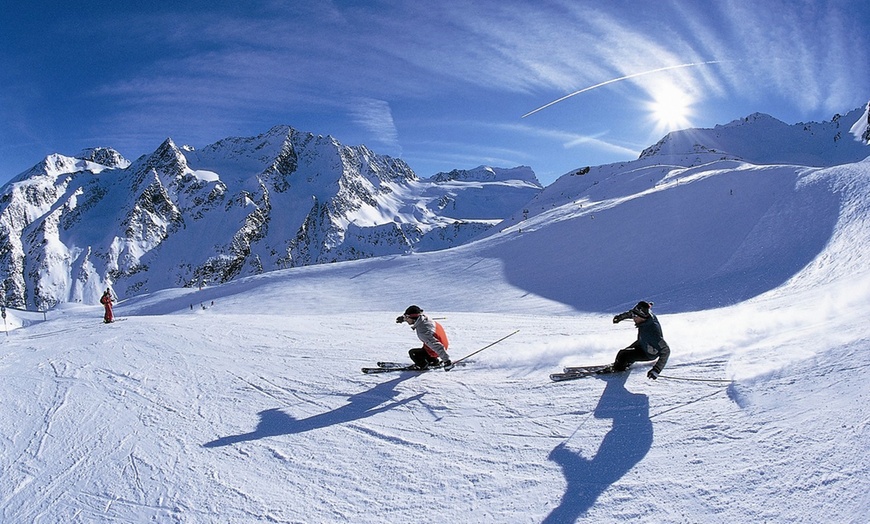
(622, 316)
(447, 365)
(400, 319)
(653, 374)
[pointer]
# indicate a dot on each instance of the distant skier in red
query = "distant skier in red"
(106, 301)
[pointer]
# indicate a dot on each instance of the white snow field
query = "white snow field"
(245, 402)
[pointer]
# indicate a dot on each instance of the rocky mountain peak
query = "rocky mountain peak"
(104, 156)
(488, 174)
(167, 160)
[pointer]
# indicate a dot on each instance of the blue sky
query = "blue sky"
(442, 84)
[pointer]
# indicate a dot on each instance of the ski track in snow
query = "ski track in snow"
(207, 434)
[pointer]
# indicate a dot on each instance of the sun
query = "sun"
(670, 109)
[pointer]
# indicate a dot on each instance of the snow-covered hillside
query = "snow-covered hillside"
(244, 402)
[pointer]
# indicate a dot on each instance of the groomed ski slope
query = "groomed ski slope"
(245, 402)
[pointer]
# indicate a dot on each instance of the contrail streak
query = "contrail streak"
(635, 75)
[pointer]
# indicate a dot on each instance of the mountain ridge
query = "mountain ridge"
(762, 139)
(243, 205)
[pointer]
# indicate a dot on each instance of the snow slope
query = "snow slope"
(244, 402)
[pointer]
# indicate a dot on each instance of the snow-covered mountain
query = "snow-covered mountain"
(243, 402)
(182, 217)
(762, 139)
(749, 168)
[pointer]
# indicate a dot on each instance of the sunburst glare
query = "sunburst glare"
(670, 109)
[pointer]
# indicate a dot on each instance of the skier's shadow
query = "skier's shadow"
(274, 422)
(627, 442)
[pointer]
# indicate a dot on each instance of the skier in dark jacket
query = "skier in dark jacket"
(649, 344)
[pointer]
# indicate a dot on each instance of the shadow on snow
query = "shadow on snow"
(685, 249)
(624, 446)
(275, 422)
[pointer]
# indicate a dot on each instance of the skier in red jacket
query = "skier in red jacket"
(106, 301)
(433, 337)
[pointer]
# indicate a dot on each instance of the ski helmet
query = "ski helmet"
(642, 309)
(413, 311)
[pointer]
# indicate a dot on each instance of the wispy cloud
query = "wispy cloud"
(375, 117)
(412, 50)
(385, 73)
(567, 139)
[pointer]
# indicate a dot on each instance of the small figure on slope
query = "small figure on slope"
(433, 337)
(649, 344)
(106, 301)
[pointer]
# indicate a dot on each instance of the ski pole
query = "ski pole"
(486, 347)
(712, 380)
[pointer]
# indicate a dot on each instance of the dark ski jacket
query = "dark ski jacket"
(651, 342)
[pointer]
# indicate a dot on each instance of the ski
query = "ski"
(370, 371)
(585, 369)
(379, 369)
(572, 373)
(392, 365)
(386, 367)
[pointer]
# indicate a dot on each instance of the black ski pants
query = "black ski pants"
(422, 358)
(628, 356)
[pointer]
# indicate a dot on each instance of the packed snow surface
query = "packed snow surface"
(245, 402)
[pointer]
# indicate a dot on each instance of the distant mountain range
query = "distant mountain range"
(72, 226)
